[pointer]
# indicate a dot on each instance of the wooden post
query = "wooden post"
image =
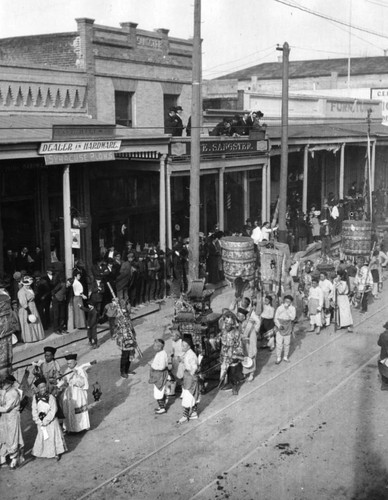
(195, 147)
(264, 217)
(305, 177)
(284, 151)
(162, 203)
(373, 166)
(67, 238)
(342, 172)
(245, 195)
(269, 187)
(168, 203)
(221, 205)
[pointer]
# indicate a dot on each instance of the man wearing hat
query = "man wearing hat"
(49, 442)
(171, 123)
(179, 127)
(75, 396)
(383, 361)
(48, 368)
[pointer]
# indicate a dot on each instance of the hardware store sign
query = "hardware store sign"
(47, 148)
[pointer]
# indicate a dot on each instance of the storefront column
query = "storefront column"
(246, 195)
(373, 166)
(342, 172)
(162, 204)
(221, 207)
(305, 178)
(67, 238)
(264, 194)
(269, 187)
(168, 204)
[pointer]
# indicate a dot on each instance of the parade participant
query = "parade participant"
(176, 357)
(48, 368)
(11, 439)
(315, 305)
(49, 442)
(341, 292)
(327, 289)
(284, 322)
(363, 283)
(267, 322)
(383, 361)
(158, 375)
(78, 290)
(375, 270)
(126, 341)
(92, 322)
(75, 396)
(249, 330)
(231, 354)
(31, 325)
(190, 387)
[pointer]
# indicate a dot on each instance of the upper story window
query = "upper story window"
(123, 108)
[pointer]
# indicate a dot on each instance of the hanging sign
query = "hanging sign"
(79, 158)
(75, 238)
(47, 148)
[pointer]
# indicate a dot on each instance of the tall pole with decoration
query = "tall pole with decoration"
(195, 146)
(284, 147)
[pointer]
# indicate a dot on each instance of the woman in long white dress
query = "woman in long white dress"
(31, 325)
(344, 314)
(49, 442)
(78, 290)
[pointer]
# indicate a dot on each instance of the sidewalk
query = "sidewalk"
(31, 350)
(24, 354)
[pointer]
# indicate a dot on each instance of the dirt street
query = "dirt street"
(310, 429)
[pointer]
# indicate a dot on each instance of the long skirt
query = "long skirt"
(79, 315)
(31, 332)
(11, 438)
(344, 312)
(75, 409)
(52, 446)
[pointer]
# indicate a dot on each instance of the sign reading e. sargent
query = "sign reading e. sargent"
(230, 147)
(47, 148)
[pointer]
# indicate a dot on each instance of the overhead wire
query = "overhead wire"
(330, 18)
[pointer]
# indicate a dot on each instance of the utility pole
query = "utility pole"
(195, 146)
(284, 147)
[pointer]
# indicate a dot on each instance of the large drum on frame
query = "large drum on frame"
(356, 237)
(238, 257)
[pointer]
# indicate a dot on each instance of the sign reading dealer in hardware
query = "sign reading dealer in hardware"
(47, 148)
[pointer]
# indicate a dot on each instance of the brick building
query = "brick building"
(86, 81)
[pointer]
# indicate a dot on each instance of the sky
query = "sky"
(236, 33)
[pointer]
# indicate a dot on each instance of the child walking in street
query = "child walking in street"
(111, 311)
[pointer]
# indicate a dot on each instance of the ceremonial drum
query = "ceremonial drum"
(238, 257)
(356, 237)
